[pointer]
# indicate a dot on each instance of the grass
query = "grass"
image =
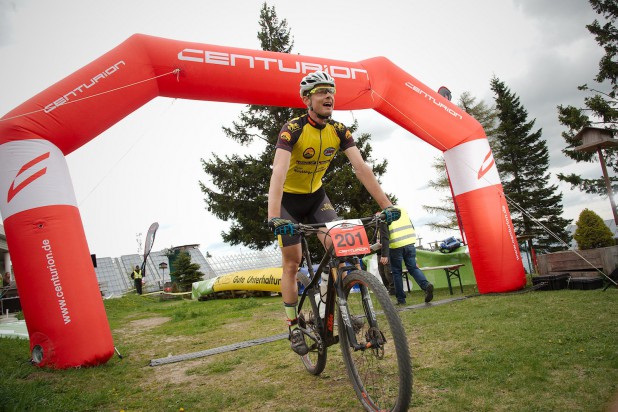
(536, 351)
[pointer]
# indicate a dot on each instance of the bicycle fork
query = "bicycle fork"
(374, 338)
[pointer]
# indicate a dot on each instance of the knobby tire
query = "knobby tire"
(382, 378)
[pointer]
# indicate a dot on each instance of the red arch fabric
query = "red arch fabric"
(60, 298)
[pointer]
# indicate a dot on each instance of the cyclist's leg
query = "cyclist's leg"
(291, 254)
(321, 212)
(289, 291)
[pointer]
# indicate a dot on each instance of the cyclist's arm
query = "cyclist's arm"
(367, 178)
(281, 163)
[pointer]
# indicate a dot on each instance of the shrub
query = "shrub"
(591, 232)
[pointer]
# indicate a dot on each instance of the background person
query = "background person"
(136, 275)
(304, 150)
(6, 279)
(402, 236)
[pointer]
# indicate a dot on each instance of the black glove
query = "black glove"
(391, 214)
(281, 226)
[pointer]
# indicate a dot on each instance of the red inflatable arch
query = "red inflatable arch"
(59, 294)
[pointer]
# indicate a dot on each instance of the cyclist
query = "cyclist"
(304, 150)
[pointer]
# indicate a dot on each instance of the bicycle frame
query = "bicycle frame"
(334, 290)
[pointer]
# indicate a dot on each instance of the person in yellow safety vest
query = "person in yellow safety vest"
(402, 250)
(137, 278)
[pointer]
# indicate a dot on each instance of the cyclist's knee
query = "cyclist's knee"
(290, 267)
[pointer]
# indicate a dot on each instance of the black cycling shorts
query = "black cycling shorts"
(305, 208)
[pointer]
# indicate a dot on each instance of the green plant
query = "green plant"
(186, 272)
(591, 232)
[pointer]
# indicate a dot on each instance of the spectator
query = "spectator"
(402, 250)
(137, 279)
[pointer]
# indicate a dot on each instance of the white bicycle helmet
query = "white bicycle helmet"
(313, 79)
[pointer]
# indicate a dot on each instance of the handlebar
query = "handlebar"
(315, 227)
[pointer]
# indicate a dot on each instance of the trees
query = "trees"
(592, 232)
(601, 107)
(486, 116)
(240, 183)
(522, 158)
(186, 272)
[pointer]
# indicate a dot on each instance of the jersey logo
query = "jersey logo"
(338, 126)
(329, 151)
(309, 153)
(285, 136)
(293, 126)
(348, 135)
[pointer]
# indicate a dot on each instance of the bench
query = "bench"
(451, 271)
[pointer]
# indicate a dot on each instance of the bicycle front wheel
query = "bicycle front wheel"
(381, 372)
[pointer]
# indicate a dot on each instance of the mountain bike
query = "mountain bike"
(368, 328)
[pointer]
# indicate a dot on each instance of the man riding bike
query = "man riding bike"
(304, 150)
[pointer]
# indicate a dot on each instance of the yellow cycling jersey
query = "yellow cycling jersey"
(313, 147)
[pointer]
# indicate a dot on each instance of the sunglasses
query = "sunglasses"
(323, 90)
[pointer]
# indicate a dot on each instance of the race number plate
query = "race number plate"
(349, 237)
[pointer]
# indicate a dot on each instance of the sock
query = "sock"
(292, 314)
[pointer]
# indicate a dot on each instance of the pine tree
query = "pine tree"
(486, 116)
(592, 232)
(601, 106)
(522, 159)
(186, 272)
(241, 182)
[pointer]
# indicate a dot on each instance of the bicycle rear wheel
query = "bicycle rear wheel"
(381, 374)
(315, 359)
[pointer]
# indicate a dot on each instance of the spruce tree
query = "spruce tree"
(592, 232)
(522, 159)
(601, 106)
(186, 272)
(241, 182)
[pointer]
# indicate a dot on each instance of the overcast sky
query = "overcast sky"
(147, 167)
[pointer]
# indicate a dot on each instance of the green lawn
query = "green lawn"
(535, 351)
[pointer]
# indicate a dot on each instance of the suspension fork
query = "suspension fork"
(342, 302)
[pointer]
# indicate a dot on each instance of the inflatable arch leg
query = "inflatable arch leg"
(58, 288)
(476, 186)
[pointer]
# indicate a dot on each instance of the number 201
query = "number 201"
(348, 239)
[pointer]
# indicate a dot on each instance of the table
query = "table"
(451, 271)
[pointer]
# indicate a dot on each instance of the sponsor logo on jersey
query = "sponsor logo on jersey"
(329, 151)
(285, 136)
(309, 153)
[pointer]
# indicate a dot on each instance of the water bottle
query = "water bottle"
(324, 285)
(323, 288)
